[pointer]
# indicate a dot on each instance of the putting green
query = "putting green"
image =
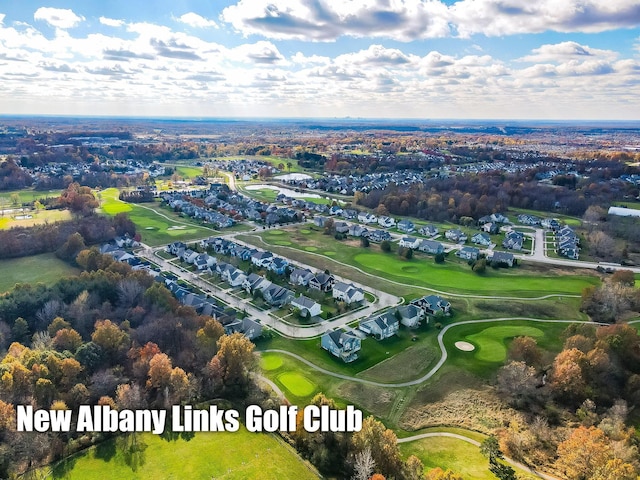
(275, 232)
(271, 362)
(490, 341)
(283, 243)
(311, 249)
(297, 384)
(330, 253)
(305, 231)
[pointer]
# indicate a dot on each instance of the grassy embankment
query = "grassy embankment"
(45, 268)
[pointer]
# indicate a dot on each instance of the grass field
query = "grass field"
(490, 342)
(452, 276)
(457, 455)
(40, 217)
(156, 226)
(29, 195)
(297, 384)
(229, 455)
(569, 220)
(45, 268)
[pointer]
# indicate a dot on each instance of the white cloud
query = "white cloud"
(260, 52)
(566, 51)
(196, 21)
(302, 59)
(111, 22)
(58, 17)
(2, 15)
(407, 20)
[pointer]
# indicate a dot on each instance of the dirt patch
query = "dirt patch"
(377, 401)
(406, 365)
(480, 410)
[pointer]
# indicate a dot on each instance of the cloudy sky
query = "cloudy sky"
(511, 59)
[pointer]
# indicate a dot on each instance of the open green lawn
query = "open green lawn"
(229, 455)
(45, 268)
(188, 171)
(569, 220)
(452, 276)
(156, 225)
(297, 384)
(37, 218)
(490, 342)
(453, 454)
(29, 195)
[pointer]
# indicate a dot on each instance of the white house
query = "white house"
(306, 306)
(347, 292)
(409, 242)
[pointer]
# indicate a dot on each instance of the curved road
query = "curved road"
(437, 366)
(477, 444)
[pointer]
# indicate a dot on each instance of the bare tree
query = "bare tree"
(364, 465)
(48, 312)
(129, 292)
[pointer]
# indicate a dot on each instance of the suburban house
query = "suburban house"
(341, 227)
(456, 235)
(432, 304)
(431, 246)
(410, 315)
(322, 281)
(364, 217)
(277, 296)
(175, 247)
(347, 292)
(319, 221)
(409, 242)
(248, 327)
(307, 307)
(378, 236)
(261, 259)
(527, 219)
(278, 265)
(381, 326)
(335, 210)
(204, 261)
(491, 228)
(406, 226)
(357, 230)
(481, 239)
(386, 222)
(235, 277)
(300, 276)
(468, 253)
(253, 282)
(503, 258)
(429, 230)
(551, 224)
(513, 240)
(343, 345)
(189, 256)
(567, 242)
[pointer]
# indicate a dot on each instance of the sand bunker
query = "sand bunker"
(465, 346)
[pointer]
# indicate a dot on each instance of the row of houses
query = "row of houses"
(567, 243)
(426, 246)
(346, 345)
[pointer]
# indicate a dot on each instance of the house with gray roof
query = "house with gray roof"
(344, 345)
(307, 306)
(381, 326)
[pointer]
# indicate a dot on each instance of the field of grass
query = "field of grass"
(45, 268)
(156, 226)
(452, 276)
(29, 195)
(270, 194)
(188, 171)
(39, 217)
(490, 342)
(297, 384)
(229, 455)
(569, 220)
(453, 454)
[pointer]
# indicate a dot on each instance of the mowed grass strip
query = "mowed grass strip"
(229, 455)
(155, 225)
(297, 384)
(490, 342)
(45, 268)
(453, 454)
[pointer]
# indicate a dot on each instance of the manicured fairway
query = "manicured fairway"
(297, 384)
(45, 268)
(155, 225)
(457, 455)
(229, 455)
(490, 341)
(189, 172)
(454, 277)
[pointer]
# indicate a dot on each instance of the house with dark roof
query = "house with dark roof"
(347, 292)
(253, 282)
(406, 226)
(432, 304)
(300, 276)
(410, 315)
(277, 296)
(356, 230)
(513, 240)
(322, 281)
(456, 235)
(431, 246)
(429, 230)
(468, 253)
(278, 265)
(261, 259)
(501, 258)
(308, 307)
(381, 326)
(481, 239)
(343, 345)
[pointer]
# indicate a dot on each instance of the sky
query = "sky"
(422, 59)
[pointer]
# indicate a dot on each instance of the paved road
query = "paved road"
(443, 351)
(383, 300)
(477, 444)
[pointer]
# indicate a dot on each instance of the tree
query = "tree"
(20, 330)
(364, 242)
(602, 244)
(480, 266)
(439, 257)
(109, 337)
(364, 465)
(518, 381)
(567, 381)
(383, 445)
(525, 349)
(490, 448)
(439, 474)
(413, 469)
(235, 353)
(329, 226)
(385, 246)
(587, 453)
(502, 471)
(67, 339)
(625, 277)
(70, 249)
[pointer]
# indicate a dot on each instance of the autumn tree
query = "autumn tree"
(383, 444)
(525, 349)
(109, 337)
(237, 361)
(567, 381)
(439, 474)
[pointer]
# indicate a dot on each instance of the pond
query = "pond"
(287, 191)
